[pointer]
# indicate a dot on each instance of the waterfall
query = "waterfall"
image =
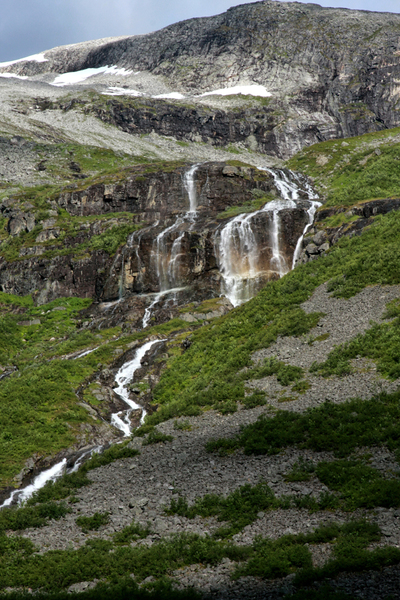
(167, 262)
(311, 214)
(189, 183)
(122, 379)
(121, 280)
(239, 256)
(161, 256)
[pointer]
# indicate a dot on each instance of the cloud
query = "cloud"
(28, 27)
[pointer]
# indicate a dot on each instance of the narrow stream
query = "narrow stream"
(121, 419)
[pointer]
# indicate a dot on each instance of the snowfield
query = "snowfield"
(33, 58)
(78, 76)
(248, 90)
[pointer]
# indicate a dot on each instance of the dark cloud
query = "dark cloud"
(28, 27)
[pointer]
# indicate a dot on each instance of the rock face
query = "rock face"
(181, 215)
(330, 72)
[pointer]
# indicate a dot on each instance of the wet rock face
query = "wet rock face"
(162, 194)
(173, 248)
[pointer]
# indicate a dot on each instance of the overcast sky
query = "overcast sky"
(31, 26)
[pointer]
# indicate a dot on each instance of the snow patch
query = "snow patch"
(32, 58)
(171, 95)
(118, 91)
(248, 90)
(13, 76)
(78, 76)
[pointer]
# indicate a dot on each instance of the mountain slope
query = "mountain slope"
(329, 72)
(190, 439)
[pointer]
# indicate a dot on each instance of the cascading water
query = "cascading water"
(167, 262)
(311, 214)
(44, 477)
(119, 420)
(124, 376)
(239, 253)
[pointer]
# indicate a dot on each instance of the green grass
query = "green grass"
(39, 413)
(206, 375)
(258, 202)
(353, 172)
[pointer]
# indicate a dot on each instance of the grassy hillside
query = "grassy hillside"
(39, 413)
(349, 171)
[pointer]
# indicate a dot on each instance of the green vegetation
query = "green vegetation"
(206, 375)
(100, 559)
(131, 533)
(124, 589)
(156, 437)
(303, 470)
(16, 519)
(38, 404)
(94, 522)
(239, 508)
(357, 169)
(183, 425)
(285, 374)
(381, 343)
(340, 429)
(359, 485)
(258, 201)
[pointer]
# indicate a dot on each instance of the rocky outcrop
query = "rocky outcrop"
(318, 241)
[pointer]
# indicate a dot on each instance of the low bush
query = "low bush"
(156, 437)
(16, 519)
(94, 522)
(337, 428)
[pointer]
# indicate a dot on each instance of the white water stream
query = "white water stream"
(50, 474)
(311, 214)
(119, 420)
(124, 376)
